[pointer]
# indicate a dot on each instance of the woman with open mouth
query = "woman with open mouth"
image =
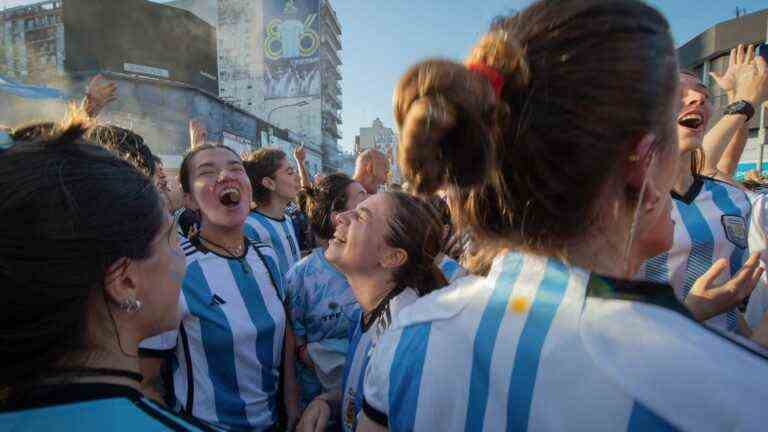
(386, 247)
(229, 347)
(711, 218)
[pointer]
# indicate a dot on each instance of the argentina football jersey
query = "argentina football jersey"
(711, 222)
(278, 233)
(542, 346)
(362, 341)
(322, 309)
(227, 352)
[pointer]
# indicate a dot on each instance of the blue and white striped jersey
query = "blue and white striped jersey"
(228, 349)
(361, 343)
(711, 222)
(279, 234)
(321, 307)
(758, 242)
(94, 407)
(451, 269)
(539, 345)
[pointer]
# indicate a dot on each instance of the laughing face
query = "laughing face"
(694, 114)
(358, 243)
(220, 188)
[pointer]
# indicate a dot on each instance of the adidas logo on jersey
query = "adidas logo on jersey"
(217, 301)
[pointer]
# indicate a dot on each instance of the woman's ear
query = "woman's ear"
(121, 281)
(268, 183)
(393, 258)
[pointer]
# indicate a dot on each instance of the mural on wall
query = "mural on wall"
(291, 49)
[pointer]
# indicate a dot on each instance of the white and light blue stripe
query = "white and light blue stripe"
(235, 347)
(279, 234)
(700, 239)
(500, 353)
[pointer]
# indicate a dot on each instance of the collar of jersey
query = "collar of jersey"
(657, 294)
(72, 393)
(692, 191)
(268, 217)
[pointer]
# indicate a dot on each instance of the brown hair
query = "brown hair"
(529, 169)
(414, 227)
(328, 196)
(184, 171)
(259, 164)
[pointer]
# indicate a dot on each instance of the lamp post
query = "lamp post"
(269, 116)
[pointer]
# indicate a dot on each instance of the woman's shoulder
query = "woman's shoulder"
(104, 413)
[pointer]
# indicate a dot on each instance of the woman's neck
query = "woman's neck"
(369, 291)
(684, 178)
(604, 254)
(230, 237)
(275, 209)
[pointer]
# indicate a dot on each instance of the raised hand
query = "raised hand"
(752, 84)
(197, 134)
(98, 94)
(300, 154)
(706, 300)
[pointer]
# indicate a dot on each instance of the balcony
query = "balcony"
(330, 16)
(333, 115)
(331, 71)
(329, 37)
(331, 53)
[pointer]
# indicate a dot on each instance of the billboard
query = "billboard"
(291, 48)
(140, 37)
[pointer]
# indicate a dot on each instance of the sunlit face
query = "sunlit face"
(358, 245)
(286, 181)
(220, 188)
(160, 281)
(695, 110)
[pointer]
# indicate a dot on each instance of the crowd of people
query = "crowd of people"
(570, 252)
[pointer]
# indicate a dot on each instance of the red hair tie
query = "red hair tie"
(492, 75)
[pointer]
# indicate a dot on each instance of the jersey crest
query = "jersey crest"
(735, 230)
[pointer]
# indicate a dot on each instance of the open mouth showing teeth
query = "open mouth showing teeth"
(230, 197)
(691, 121)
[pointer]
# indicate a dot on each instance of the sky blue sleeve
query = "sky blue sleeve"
(296, 301)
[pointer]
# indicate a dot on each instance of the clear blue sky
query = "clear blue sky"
(381, 38)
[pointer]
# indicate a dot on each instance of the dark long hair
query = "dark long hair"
(70, 210)
(413, 226)
(321, 200)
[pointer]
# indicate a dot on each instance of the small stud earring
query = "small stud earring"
(633, 158)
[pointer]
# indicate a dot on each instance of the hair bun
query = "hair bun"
(428, 120)
(501, 50)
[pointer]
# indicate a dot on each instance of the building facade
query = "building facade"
(383, 139)
(710, 52)
(280, 60)
(32, 41)
(150, 100)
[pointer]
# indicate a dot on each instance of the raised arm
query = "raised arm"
(745, 80)
(99, 93)
(300, 154)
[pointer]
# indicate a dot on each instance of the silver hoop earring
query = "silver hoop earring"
(130, 305)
